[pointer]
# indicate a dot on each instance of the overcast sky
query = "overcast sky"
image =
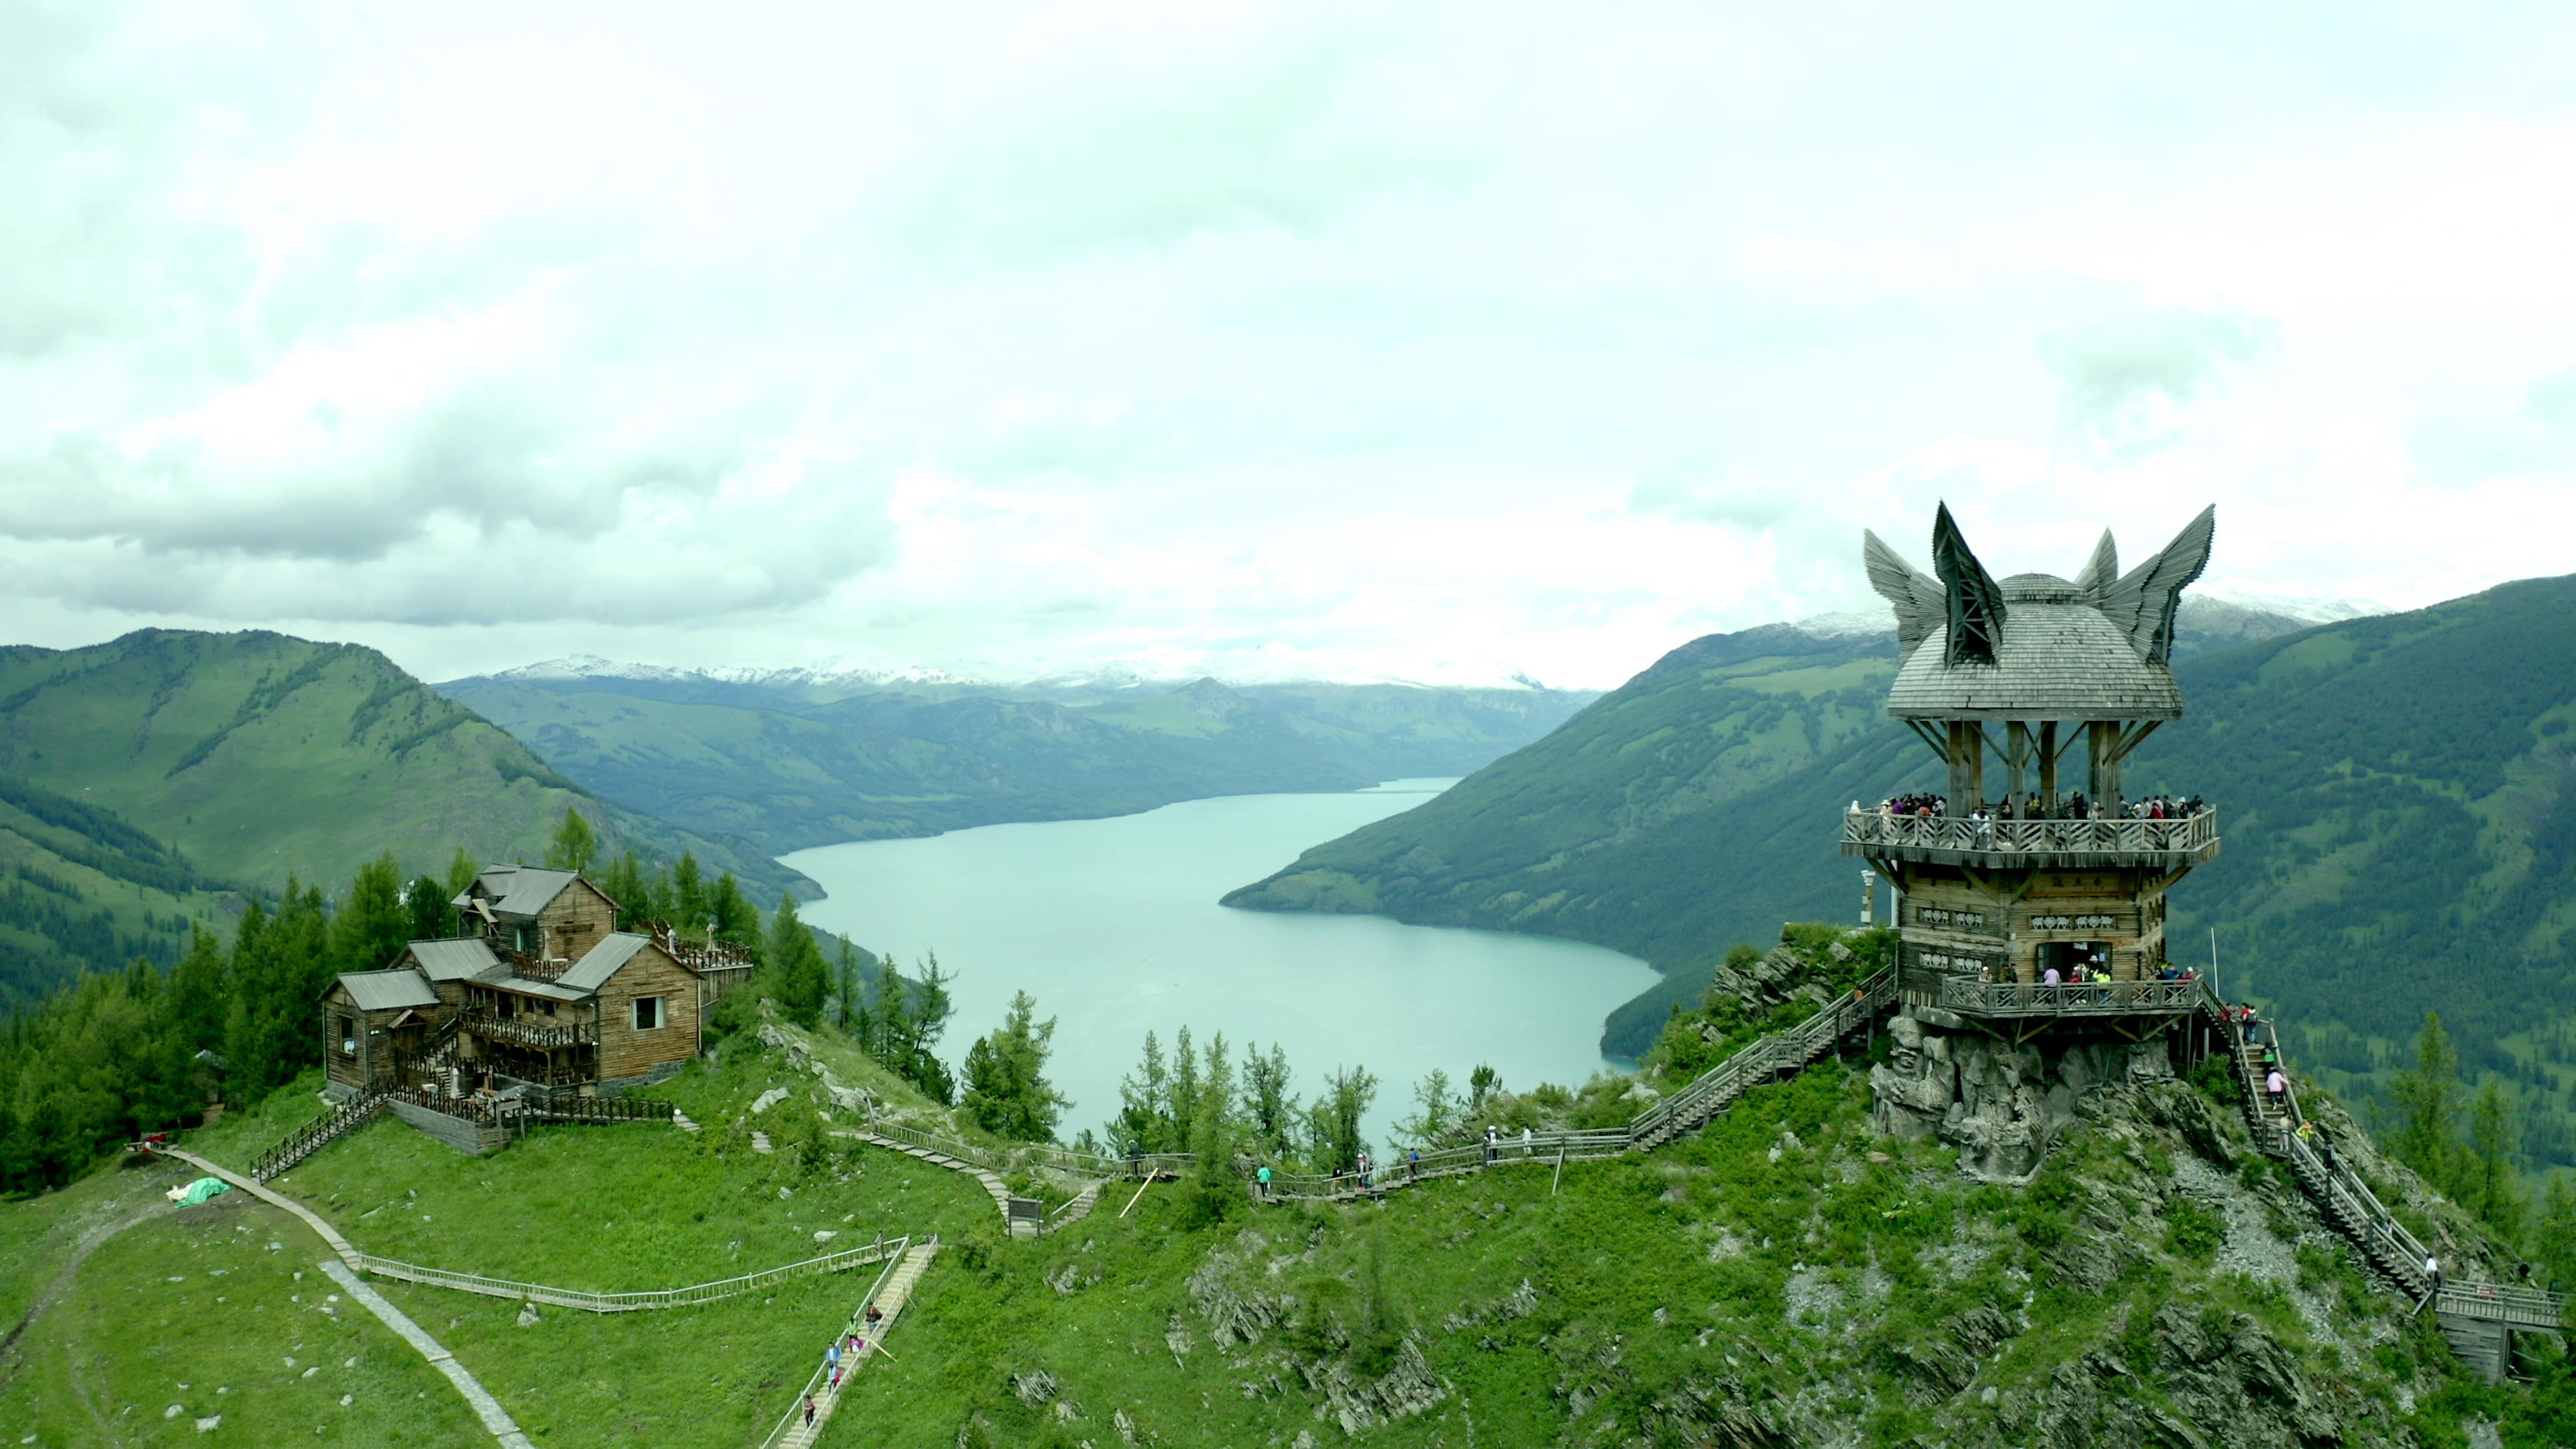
(1432, 341)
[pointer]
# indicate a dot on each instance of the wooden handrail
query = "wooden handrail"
(651, 1298)
(1874, 827)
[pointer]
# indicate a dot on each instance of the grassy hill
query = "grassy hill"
(791, 770)
(143, 777)
(2394, 793)
(1788, 1276)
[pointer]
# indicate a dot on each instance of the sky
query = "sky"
(1432, 342)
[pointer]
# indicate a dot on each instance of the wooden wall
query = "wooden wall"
(574, 921)
(626, 1052)
(1953, 923)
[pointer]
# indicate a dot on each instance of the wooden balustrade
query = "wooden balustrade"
(2190, 839)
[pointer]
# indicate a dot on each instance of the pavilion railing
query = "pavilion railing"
(2032, 837)
(2103, 998)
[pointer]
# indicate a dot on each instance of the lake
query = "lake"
(1113, 925)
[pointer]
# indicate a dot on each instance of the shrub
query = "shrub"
(2192, 1230)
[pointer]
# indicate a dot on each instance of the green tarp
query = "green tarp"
(202, 1189)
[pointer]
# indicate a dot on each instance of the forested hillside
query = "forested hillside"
(2394, 792)
(147, 782)
(793, 767)
(80, 888)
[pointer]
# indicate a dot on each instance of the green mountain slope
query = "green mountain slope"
(80, 889)
(257, 756)
(2394, 792)
(795, 772)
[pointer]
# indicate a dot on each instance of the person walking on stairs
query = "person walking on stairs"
(1491, 1141)
(809, 1411)
(2433, 1272)
(2278, 1087)
(1261, 1183)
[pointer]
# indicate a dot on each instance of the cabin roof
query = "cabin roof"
(516, 892)
(461, 959)
(602, 960)
(501, 977)
(388, 990)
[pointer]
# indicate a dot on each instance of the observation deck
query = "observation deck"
(1972, 997)
(2177, 844)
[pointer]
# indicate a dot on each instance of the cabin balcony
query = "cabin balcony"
(534, 1033)
(1877, 834)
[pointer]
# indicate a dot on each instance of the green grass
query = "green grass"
(634, 1206)
(193, 1308)
(1816, 1276)
(714, 1376)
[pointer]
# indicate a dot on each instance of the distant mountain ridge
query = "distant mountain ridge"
(801, 758)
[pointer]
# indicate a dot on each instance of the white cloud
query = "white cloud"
(1449, 338)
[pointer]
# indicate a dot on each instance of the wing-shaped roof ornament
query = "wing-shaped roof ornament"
(1975, 605)
(2100, 572)
(2142, 603)
(1916, 597)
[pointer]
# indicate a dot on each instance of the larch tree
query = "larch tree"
(1006, 1090)
(574, 843)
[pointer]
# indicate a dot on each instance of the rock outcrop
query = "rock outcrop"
(2001, 1105)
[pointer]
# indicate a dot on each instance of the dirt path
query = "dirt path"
(126, 1215)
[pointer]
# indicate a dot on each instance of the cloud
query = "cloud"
(1020, 331)
(2128, 378)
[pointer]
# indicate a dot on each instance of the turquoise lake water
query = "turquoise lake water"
(1113, 925)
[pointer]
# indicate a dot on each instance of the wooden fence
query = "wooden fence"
(887, 1249)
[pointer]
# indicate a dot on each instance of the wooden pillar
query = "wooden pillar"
(1967, 765)
(2104, 748)
(2017, 752)
(2048, 765)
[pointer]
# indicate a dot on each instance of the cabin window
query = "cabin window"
(648, 1012)
(519, 936)
(348, 1036)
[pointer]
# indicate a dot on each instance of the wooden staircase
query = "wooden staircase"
(2478, 1319)
(889, 1296)
(984, 1177)
(1765, 1059)
(321, 1132)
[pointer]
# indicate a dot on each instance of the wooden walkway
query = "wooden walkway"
(889, 1295)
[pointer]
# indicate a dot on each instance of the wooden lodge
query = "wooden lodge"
(541, 991)
(2025, 894)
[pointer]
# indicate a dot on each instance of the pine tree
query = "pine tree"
(1269, 1100)
(2555, 1238)
(798, 976)
(574, 843)
(199, 990)
(461, 871)
(1007, 1093)
(736, 919)
(1335, 1119)
(374, 925)
(2489, 1188)
(688, 895)
(2426, 1106)
(425, 902)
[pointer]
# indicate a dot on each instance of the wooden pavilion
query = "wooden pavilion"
(2027, 900)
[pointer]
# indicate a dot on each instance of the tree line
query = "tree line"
(2463, 1144)
(113, 1054)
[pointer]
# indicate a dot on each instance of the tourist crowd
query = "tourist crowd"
(1927, 806)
